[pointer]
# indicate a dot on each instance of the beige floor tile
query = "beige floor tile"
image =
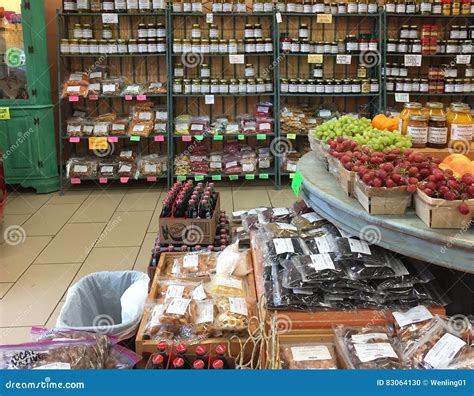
(26, 203)
(69, 197)
(72, 244)
(15, 335)
(155, 220)
(11, 220)
(108, 259)
(98, 207)
(16, 259)
(4, 287)
(283, 202)
(125, 229)
(34, 297)
(51, 323)
(49, 219)
(139, 200)
(285, 192)
(143, 259)
(248, 198)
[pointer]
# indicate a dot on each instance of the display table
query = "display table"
(405, 234)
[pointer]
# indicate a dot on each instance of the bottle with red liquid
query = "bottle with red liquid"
(201, 354)
(157, 361)
(179, 363)
(181, 351)
(163, 351)
(221, 352)
(199, 364)
(218, 364)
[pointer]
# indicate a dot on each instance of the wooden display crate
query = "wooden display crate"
(145, 346)
(189, 231)
(439, 213)
(383, 201)
(346, 180)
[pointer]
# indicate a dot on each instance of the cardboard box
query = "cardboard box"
(189, 231)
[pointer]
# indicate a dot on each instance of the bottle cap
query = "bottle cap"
(201, 350)
(198, 364)
(178, 362)
(217, 364)
(182, 348)
(221, 349)
(162, 345)
(157, 359)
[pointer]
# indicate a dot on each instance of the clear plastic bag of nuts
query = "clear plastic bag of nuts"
(233, 313)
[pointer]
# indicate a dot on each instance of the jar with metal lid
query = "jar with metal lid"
(466, 7)
(334, 48)
(293, 86)
(413, 33)
(458, 85)
(346, 86)
(302, 87)
(258, 6)
(242, 86)
(307, 6)
(341, 46)
(260, 84)
(187, 86)
(333, 8)
(318, 71)
(84, 46)
(303, 31)
(311, 86)
(395, 70)
(196, 6)
(452, 47)
(107, 32)
(352, 45)
(217, 6)
(337, 84)
(437, 132)
(87, 31)
(304, 46)
(416, 47)
(437, 8)
(250, 46)
(259, 46)
(205, 46)
(239, 6)
(373, 7)
(142, 31)
(284, 85)
(121, 44)
(361, 71)
(426, 7)
(327, 47)
(144, 6)
(341, 8)
(318, 7)
(402, 46)
(95, 5)
(214, 86)
(205, 71)
(415, 85)
(227, 6)
(268, 85)
(409, 109)
(132, 46)
(152, 30)
(363, 44)
(196, 86)
(356, 86)
(392, 45)
(249, 70)
(249, 31)
(374, 85)
(257, 31)
(446, 4)
(69, 6)
(83, 6)
(108, 6)
(466, 47)
(196, 31)
(405, 31)
(268, 45)
(468, 85)
(390, 6)
(417, 129)
(469, 71)
(77, 31)
(251, 86)
(319, 86)
(454, 32)
(319, 47)
(441, 47)
(223, 46)
(387, 70)
(223, 86)
(449, 85)
(460, 124)
(214, 46)
(142, 46)
(410, 7)
(403, 71)
(178, 70)
(424, 85)
(365, 86)
(186, 46)
(113, 47)
(407, 85)
(132, 6)
(390, 84)
(195, 46)
(120, 6)
(352, 7)
(187, 6)
(456, 7)
(400, 7)
(295, 46)
(329, 87)
(177, 46)
(373, 44)
(65, 46)
(177, 6)
(213, 31)
(399, 84)
(156, 45)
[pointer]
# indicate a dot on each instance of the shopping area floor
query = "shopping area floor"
(84, 231)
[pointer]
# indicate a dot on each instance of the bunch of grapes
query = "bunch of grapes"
(361, 131)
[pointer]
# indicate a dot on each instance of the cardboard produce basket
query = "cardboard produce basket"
(439, 213)
(189, 231)
(346, 180)
(383, 201)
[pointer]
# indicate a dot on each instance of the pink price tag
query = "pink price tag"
(74, 98)
(124, 180)
(75, 181)
(93, 97)
(141, 98)
(103, 180)
(112, 139)
(151, 179)
(187, 138)
(74, 140)
(128, 97)
(159, 138)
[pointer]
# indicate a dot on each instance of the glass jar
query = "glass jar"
(205, 86)
(452, 47)
(410, 7)
(186, 46)
(390, 84)
(84, 47)
(341, 8)
(213, 31)
(257, 31)
(365, 86)
(400, 7)
(268, 45)
(120, 6)
(195, 46)
(402, 46)
(144, 6)
(295, 46)
(108, 6)
(416, 47)
(407, 85)
(187, 86)
(214, 86)
(352, 7)
(187, 6)
(223, 47)
(142, 31)
(466, 7)
(318, 7)
(196, 6)
(251, 86)
(426, 7)
(83, 6)
(437, 132)
(454, 32)
(259, 46)
(214, 46)
(242, 86)
(205, 46)
(352, 45)
(177, 46)
(405, 31)
(390, 6)
(205, 71)
(160, 45)
(374, 85)
(142, 46)
(437, 8)
(446, 7)
(318, 71)
(409, 109)
(132, 46)
(249, 31)
(372, 7)
(363, 44)
(424, 87)
(361, 71)
(250, 46)
(196, 31)
(304, 47)
(258, 6)
(95, 6)
(77, 31)
(399, 85)
(284, 85)
(87, 31)
(69, 6)
(455, 7)
(121, 44)
(65, 46)
(392, 45)
(460, 124)
(160, 30)
(217, 6)
(132, 6)
(347, 86)
(413, 33)
(362, 7)
(466, 47)
(179, 70)
(417, 129)
(395, 70)
(195, 86)
(355, 86)
(303, 31)
(327, 47)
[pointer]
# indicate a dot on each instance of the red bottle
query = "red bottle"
(163, 351)
(201, 354)
(220, 352)
(199, 364)
(157, 361)
(182, 350)
(218, 364)
(179, 363)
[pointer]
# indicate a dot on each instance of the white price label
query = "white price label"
(412, 60)
(209, 99)
(343, 59)
(198, 293)
(310, 352)
(322, 262)
(283, 245)
(359, 246)
(210, 18)
(110, 18)
(229, 282)
(205, 313)
(54, 366)
(279, 18)
(402, 97)
(463, 59)
(280, 211)
(414, 315)
(178, 306)
(285, 226)
(191, 261)
(238, 305)
(444, 351)
(155, 315)
(379, 350)
(364, 338)
(236, 59)
(312, 217)
(325, 244)
(174, 291)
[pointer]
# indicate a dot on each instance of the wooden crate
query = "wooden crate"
(144, 346)
(346, 180)
(383, 201)
(439, 213)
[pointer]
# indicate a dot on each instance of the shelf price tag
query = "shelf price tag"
(160, 138)
(291, 136)
(124, 180)
(110, 18)
(134, 138)
(233, 177)
(216, 177)
(75, 181)
(74, 139)
(263, 176)
(4, 113)
(198, 137)
(218, 137)
(402, 97)
(261, 136)
(181, 177)
(128, 97)
(151, 179)
(210, 18)
(199, 178)
(187, 138)
(343, 59)
(412, 60)
(236, 59)
(324, 18)
(141, 98)
(463, 59)
(278, 18)
(296, 183)
(112, 139)
(292, 175)
(209, 99)
(103, 180)
(249, 177)
(74, 98)
(315, 58)
(98, 143)
(241, 137)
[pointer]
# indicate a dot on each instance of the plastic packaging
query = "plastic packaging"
(77, 84)
(108, 168)
(152, 165)
(81, 167)
(195, 264)
(231, 261)
(233, 313)
(127, 169)
(308, 356)
(172, 288)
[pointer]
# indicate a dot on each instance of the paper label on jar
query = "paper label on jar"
(310, 352)
(229, 282)
(462, 132)
(205, 312)
(379, 350)
(191, 261)
(231, 164)
(283, 245)
(437, 135)
(138, 128)
(198, 293)
(174, 291)
(418, 135)
(238, 305)
(444, 351)
(106, 169)
(414, 315)
(73, 89)
(80, 168)
(364, 338)
(106, 88)
(132, 4)
(149, 168)
(125, 169)
(312, 217)
(95, 75)
(120, 4)
(54, 366)
(322, 262)
(285, 226)
(178, 306)
(358, 246)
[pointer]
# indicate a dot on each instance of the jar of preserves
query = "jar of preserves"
(132, 46)
(426, 7)
(424, 85)
(132, 6)
(186, 46)
(142, 31)
(402, 46)
(363, 44)
(295, 46)
(258, 6)
(257, 31)
(352, 45)
(446, 7)
(454, 32)
(187, 86)
(337, 86)
(410, 7)
(365, 86)
(260, 46)
(87, 31)
(404, 31)
(466, 7)
(205, 71)
(452, 47)
(214, 86)
(374, 85)
(179, 70)
(356, 86)
(437, 132)
(352, 7)
(69, 6)
(268, 6)
(217, 6)
(435, 108)
(449, 85)
(403, 71)
(205, 86)
(460, 124)
(178, 86)
(415, 85)
(152, 31)
(409, 109)
(390, 84)
(214, 46)
(121, 44)
(205, 46)
(84, 47)
(223, 46)
(65, 46)
(407, 85)
(196, 6)
(372, 7)
(187, 6)
(390, 6)
(213, 31)
(195, 46)
(392, 45)
(400, 7)
(327, 47)
(196, 31)
(195, 86)
(142, 46)
(347, 86)
(250, 46)
(437, 8)
(455, 7)
(303, 31)
(361, 71)
(268, 45)
(83, 6)
(242, 86)
(469, 71)
(223, 86)
(341, 8)
(362, 7)
(399, 85)
(249, 31)
(416, 47)
(251, 86)
(417, 129)
(466, 47)
(284, 87)
(177, 46)
(160, 45)
(144, 6)
(413, 33)
(108, 6)
(120, 6)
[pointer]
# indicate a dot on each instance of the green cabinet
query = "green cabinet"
(27, 135)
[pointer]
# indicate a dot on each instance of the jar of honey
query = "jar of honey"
(417, 129)
(437, 132)
(410, 108)
(434, 108)
(460, 124)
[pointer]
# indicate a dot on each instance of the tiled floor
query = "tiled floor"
(66, 237)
